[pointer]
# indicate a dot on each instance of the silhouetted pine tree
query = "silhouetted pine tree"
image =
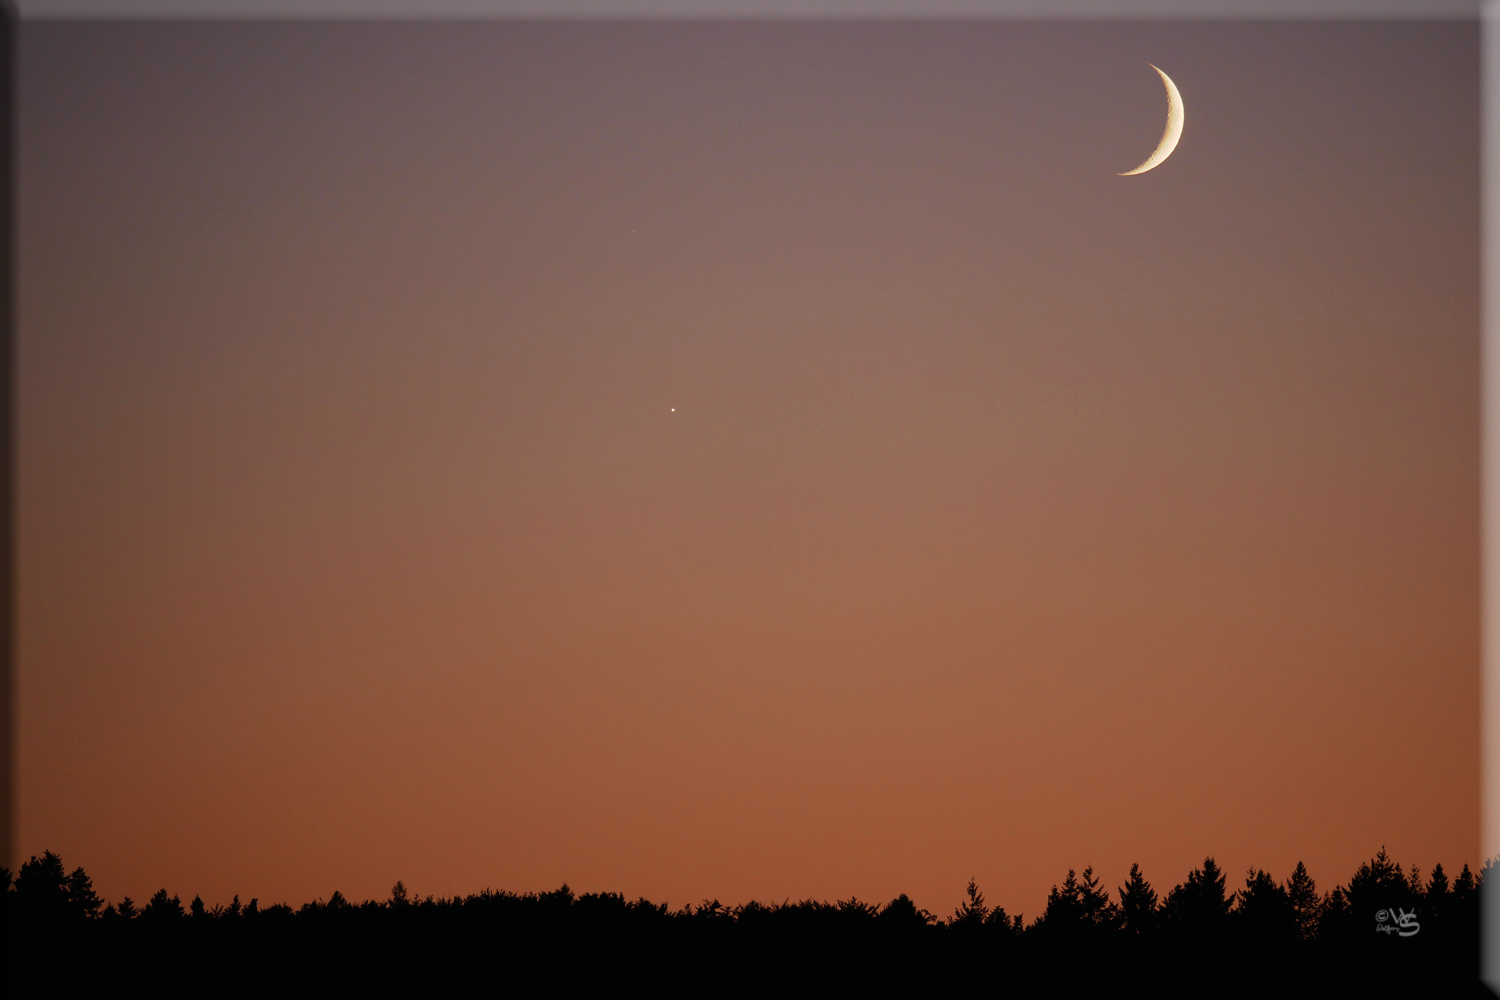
(1437, 884)
(1079, 905)
(978, 936)
(161, 907)
(1200, 905)
(42, 891)
(1465, 886)
(1138, 905)
(82, 899)
(902, 912)
(1001, 921)
(1378, 885)
(971, 912)
(1437, 900)
(973, 919)
(1139, 931)
(1263, 920)
(1064, 910)
(1097, 910)
(1307, 905)
(1075, 932)
(1363, 923)
(1463, 914)
(1194, 918)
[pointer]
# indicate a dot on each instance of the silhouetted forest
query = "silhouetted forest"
(1387, 930)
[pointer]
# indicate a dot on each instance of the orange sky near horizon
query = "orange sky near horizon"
(744, 460)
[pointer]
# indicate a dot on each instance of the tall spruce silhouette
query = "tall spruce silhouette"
(1307, 905)
(1139, 910)
(1195, 916)
(1264, 918)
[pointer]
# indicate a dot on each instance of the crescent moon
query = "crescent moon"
(1173, 131)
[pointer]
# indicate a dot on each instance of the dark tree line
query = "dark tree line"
(1387, 930)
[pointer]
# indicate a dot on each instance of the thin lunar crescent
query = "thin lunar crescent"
(1174, 128)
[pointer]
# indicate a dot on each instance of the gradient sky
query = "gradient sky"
(1013, 516)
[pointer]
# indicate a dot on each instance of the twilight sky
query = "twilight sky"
(1013, 516)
